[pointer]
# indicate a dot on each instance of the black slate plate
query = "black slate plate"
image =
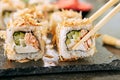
(102, 60)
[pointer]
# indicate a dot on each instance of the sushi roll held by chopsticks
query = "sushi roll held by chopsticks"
(24, 36)
(68, 33)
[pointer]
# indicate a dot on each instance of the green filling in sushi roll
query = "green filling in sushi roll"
(17, 36)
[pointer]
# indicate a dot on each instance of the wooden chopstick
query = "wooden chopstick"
(110, 40)
(109, 4)
(98, 25)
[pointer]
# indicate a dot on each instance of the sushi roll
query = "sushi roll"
(68, 33)
(24, 36)
(7, 8)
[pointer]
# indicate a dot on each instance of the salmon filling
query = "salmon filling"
(25, 40)
(74, 36)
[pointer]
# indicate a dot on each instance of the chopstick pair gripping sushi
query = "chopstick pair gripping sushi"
(75, 38)
(24, 35)
(69, 30)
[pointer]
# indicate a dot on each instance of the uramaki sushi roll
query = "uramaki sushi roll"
(68, 33)
(7, 8)
(24, 36)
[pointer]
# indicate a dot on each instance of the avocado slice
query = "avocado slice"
(17, 36)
